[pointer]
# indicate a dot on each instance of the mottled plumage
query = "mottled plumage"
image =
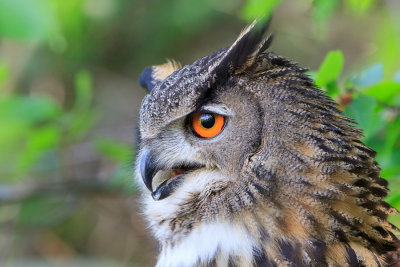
(287, 182)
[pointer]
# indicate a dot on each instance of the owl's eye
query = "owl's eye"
(207, 125)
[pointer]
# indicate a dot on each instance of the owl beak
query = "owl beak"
(148, 168)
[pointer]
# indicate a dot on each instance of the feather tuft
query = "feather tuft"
(242, 54)
(155, 74)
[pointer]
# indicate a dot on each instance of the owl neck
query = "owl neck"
(219, 243)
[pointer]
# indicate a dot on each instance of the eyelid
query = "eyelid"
(220, 109)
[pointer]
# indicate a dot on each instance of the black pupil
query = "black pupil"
(207, 120)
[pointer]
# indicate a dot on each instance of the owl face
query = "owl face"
(203, 139)
(198, 125)
(199, 150)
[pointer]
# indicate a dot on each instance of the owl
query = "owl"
(243, 161)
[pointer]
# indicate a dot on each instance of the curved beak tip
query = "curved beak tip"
(147, 168)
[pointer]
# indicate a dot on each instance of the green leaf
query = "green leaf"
(333, 89)
(330, 68)
(387, 92)
(390, 152)
(26, 19)
(368, 114)
(255, 9)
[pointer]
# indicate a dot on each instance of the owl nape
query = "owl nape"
(243, 161)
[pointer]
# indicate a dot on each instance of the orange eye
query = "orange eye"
(207, 125)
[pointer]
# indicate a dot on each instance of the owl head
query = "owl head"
(241, 142)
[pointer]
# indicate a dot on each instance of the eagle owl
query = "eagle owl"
(244, 162)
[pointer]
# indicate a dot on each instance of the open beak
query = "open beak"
(168, 179)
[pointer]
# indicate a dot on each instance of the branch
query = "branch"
(18, 192)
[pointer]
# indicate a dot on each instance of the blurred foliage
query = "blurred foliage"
(47, 188)
(328, 74)
(375, 104)
(34, 127)
(26, 19)
(255, 9)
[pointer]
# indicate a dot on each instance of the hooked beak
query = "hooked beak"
(147, 169)
(171, 177)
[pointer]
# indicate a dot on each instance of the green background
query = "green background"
(69, 104)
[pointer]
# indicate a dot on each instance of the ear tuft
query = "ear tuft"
(243, 52)
(163, 71)
(155, 74)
